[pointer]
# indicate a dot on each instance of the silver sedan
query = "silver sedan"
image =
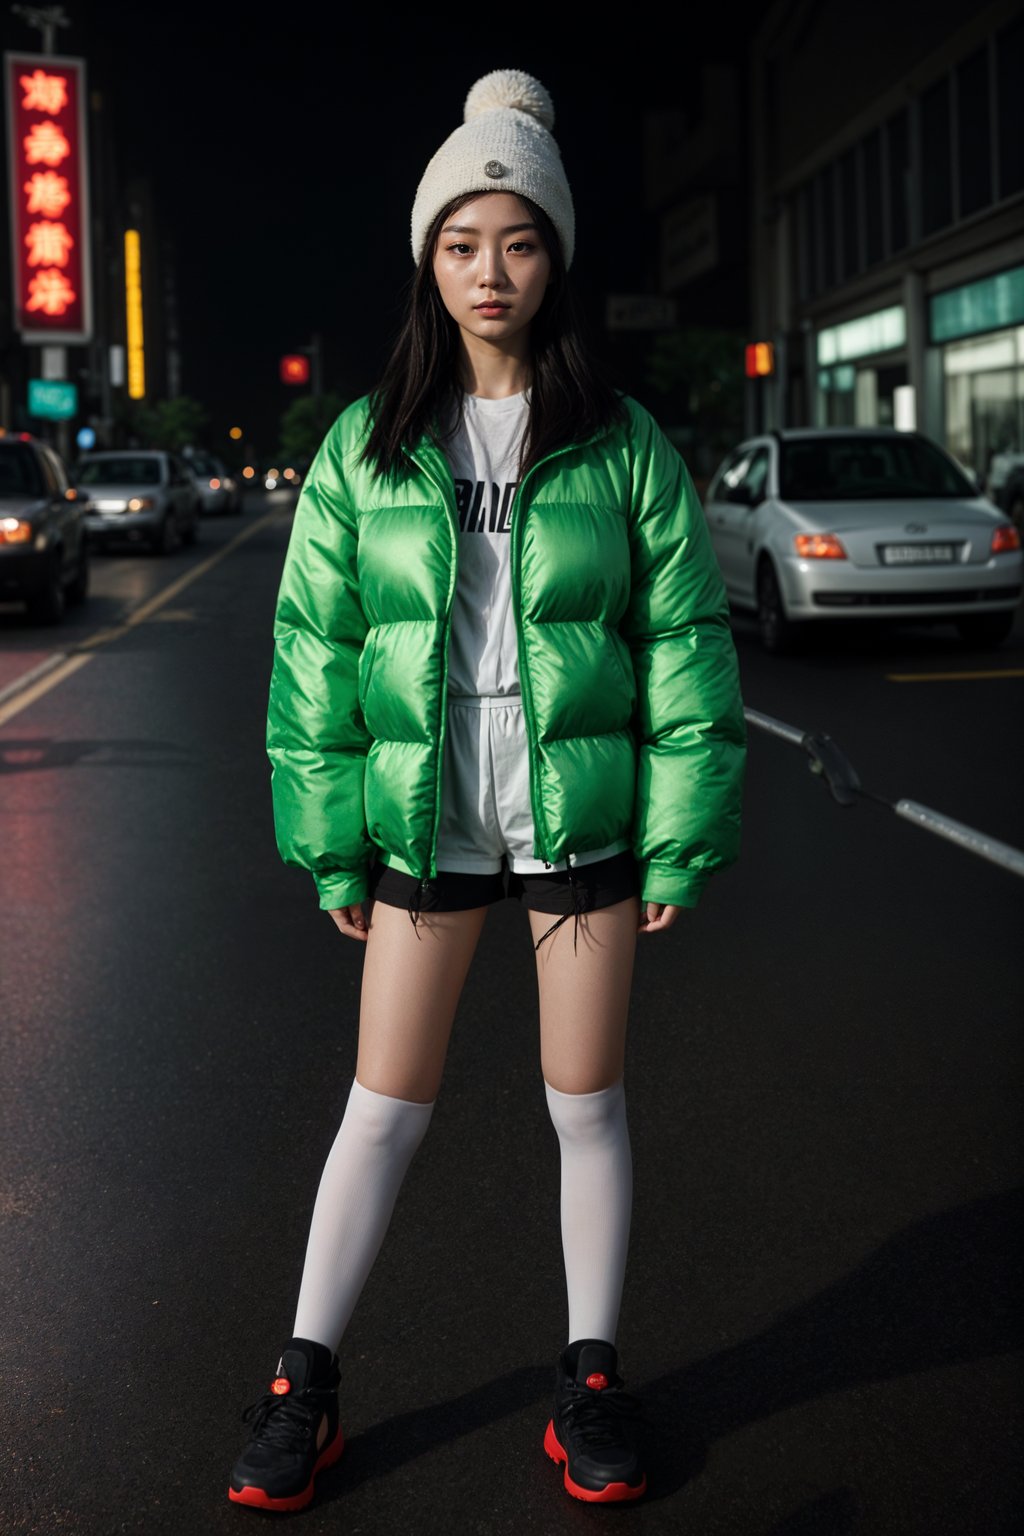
(833, 523)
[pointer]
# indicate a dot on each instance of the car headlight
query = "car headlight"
(141, 504)
(15, 530)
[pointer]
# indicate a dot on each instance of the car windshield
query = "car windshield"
(19, 472)
(866, 468)
(119, 471)
(199, 464)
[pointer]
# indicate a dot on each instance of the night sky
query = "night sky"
(285, 161)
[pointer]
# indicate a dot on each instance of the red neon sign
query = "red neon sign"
(47, 166)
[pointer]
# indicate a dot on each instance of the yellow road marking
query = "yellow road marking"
(139, 616)
(951, 677)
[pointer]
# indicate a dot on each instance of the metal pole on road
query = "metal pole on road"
(830, 763)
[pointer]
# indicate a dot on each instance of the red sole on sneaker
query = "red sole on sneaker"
(611, 1493)
(255, 1498)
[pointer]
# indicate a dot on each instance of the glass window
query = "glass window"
(973, 99)
(898, 144)
(830, 263)
(804, 243)
(850, 201)
(19, 471)
(864, 467)
(936, 160)
(1009, 83)
(57, 470)
(873, 195)
(716, 488)
(818, 240)
(120, 470)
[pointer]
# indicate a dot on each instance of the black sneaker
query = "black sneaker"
(295, 1431)
(593, 1427)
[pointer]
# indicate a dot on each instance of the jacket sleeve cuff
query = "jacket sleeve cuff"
(670, 886)
(345, 888)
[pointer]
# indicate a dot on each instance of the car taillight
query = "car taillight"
(1005, 539)
(819, 546)
(14, 531)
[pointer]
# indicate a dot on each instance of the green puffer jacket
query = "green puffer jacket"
(629, 675)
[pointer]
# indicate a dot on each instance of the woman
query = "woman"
(503, 667)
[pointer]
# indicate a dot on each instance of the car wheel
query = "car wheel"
(778, 633)
(165, 540)
(191, 533)
(78, 590)
(983, 630)
(47, 605)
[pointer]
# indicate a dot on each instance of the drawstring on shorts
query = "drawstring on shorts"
(574, 913)
(415, 901)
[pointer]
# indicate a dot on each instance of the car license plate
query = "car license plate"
(918, 554)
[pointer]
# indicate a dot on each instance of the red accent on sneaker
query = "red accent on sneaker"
(597, 1380)
(257, 1499)
(280, 1385)
(611, 1493)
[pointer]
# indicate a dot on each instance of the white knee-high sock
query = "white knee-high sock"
(355, 1200)
(596, 1205)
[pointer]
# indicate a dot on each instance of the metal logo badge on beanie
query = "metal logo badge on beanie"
(505, 137)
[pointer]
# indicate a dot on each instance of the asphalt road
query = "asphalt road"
(823, 1305)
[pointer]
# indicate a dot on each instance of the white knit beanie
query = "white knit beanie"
(504, 145)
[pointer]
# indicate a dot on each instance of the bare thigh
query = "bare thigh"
(412, 981)
(584, 996)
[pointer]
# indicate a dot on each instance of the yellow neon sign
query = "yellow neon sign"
(133, 301)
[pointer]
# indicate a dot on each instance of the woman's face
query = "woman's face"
(492, 270)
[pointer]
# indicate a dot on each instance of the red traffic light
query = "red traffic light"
(295, 369)
(760, 359)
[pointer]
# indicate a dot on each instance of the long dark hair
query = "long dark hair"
(419, 392)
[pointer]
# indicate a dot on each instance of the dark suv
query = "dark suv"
(44, 550)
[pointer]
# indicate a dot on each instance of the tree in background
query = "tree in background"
(699, 370)
(304, 425)
(173, 424)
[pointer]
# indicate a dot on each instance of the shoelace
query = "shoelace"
(587, 1414)
(284, 1421)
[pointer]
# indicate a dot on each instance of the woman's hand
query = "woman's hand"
(655, 916)
(351, 921)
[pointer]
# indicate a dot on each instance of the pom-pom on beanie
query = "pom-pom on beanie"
(503, 145)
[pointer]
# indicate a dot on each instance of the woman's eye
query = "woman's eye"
(459, 247)
(519, 246)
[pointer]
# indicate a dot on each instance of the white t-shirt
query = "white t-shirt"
(483, 654)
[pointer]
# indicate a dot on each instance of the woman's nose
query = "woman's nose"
(492, 272)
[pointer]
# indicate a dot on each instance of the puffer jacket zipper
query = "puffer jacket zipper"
(446, 487)
(447, 490)
(515, 573)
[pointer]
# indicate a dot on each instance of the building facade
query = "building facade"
(886, 234)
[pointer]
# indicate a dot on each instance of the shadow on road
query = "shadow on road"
(28, 754)
(944, 1291)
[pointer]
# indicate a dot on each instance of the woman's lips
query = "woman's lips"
(491, 309)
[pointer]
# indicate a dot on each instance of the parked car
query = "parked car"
(44, 543)
(1005, 486)
(826, 523)
(218, 489)
(138, 496)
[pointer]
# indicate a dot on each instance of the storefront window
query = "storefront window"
(984, 388)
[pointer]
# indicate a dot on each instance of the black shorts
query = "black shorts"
(600, 884)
